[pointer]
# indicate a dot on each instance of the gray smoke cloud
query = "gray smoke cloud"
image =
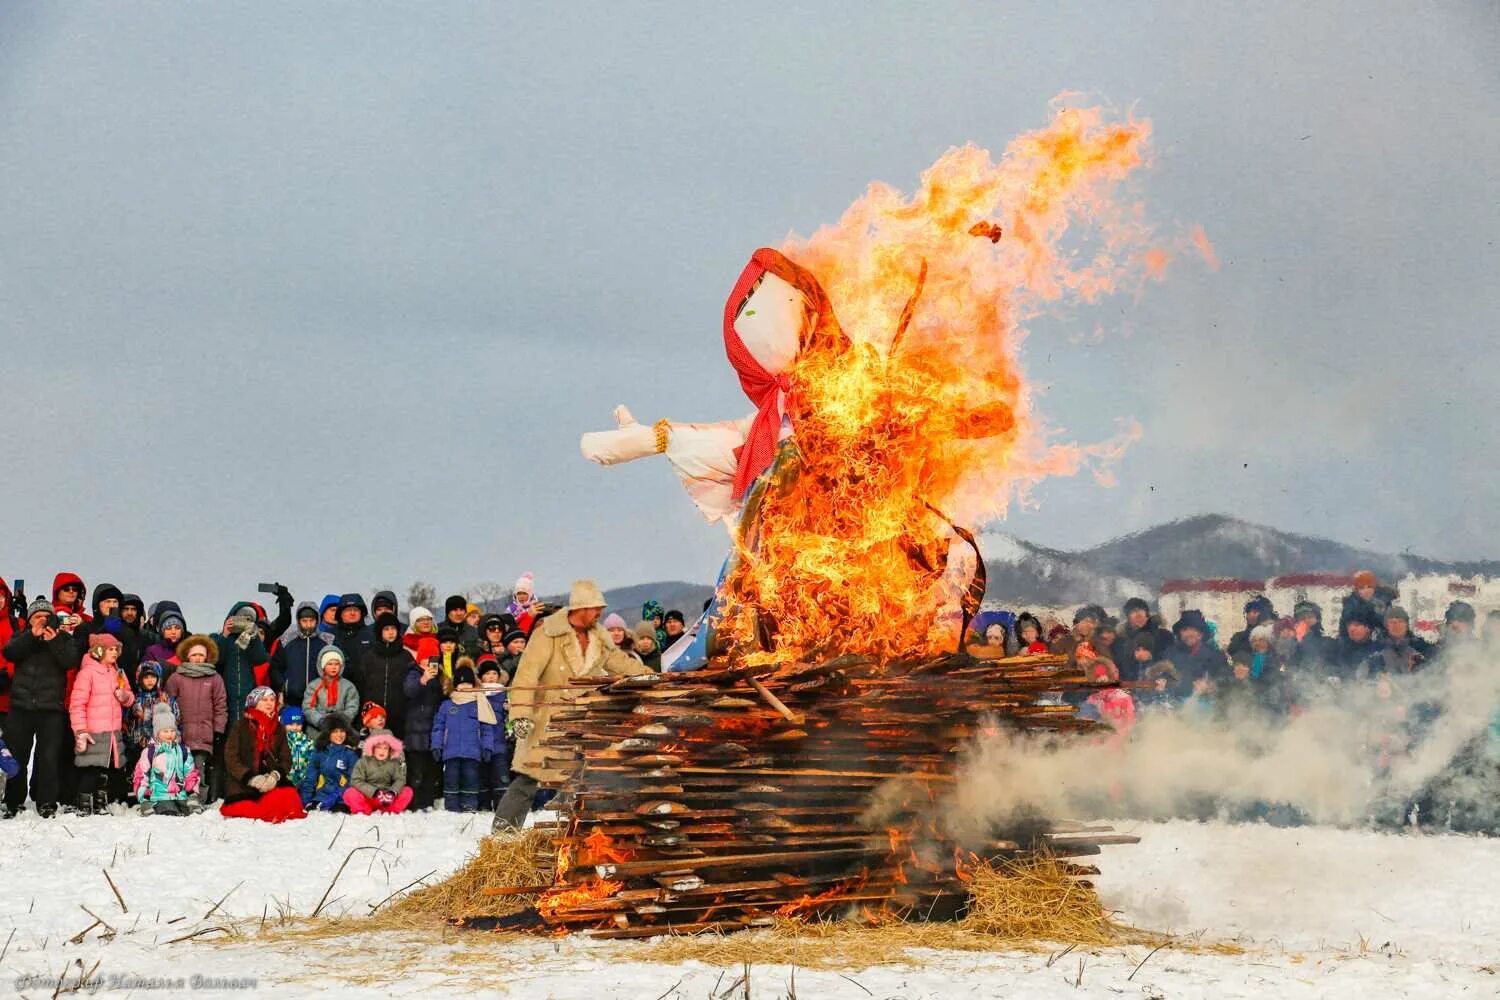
(1359, 750)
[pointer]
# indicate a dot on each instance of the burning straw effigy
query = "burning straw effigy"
(733, 796)
(798, 768)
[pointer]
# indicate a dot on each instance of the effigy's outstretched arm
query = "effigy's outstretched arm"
(702, 455)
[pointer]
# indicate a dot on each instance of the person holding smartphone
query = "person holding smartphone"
(42, 654)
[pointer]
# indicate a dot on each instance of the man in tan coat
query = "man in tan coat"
(568, 643)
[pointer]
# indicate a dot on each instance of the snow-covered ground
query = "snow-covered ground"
(1320, 912)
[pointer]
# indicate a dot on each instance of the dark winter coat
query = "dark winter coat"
(243, 670)
(1314, 651)
(40, 681)
(1350, 659)
(1122, 651)
(457, 733)
(241, 764)
(1191, 664)
(1355, 606)
(297, 664)
(384, 671)
(201, 704)
(422, 701)
(1403, 656)
(354, 641)
(333, 764)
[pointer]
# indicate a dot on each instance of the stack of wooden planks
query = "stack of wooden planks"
(727, 797)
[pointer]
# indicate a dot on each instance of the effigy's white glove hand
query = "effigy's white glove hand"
(628, 442)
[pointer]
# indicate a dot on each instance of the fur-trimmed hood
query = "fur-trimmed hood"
(377, 739)
(186, 646)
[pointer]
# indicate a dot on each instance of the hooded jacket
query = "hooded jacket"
(7, 630)
(202, 707)
(243, 669)
(329, 771)
(60, 581)
(383, 679)
(39, 679)
(354, 640)
(138, 715)
(372, 775)
(325, 697)
(296, 662)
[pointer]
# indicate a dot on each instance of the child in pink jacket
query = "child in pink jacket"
(95, 709)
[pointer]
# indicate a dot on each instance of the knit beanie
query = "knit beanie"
(171, 620)
(292, 716)
(162, 718)
(645, 630)
(513, 635)
(614, 621)
(331, 653)
(256, 694)
(103, 640)
(40, 606)
(525, 585)
(463, 674)
(455, 603)
(372, 715)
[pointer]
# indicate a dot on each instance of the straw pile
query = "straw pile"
(525, 859)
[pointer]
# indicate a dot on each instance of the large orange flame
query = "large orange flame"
(930, 408)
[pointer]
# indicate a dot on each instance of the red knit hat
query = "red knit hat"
(372, 715)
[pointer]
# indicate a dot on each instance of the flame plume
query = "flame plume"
(929, 411)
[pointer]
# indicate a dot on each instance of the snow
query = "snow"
(1321, 912)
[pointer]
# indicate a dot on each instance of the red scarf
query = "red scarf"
(265, 733)
(762, 388)
(330, 689)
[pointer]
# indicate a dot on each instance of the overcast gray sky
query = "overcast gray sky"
(326, 293)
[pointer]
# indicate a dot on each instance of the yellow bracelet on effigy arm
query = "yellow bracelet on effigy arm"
(662, 428)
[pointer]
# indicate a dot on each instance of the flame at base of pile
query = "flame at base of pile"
(734, 796)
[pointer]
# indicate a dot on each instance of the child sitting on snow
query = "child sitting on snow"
(298, 742)
(332, 764)
(464, 733)
(165, 778)
(379, 780)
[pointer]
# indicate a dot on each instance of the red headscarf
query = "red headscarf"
(265, 733)
(755, 456)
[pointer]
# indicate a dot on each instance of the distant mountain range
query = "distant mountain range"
(1208, 545)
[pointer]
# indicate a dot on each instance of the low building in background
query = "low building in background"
(1221, 599)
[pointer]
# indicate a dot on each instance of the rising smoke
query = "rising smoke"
(1358, 751)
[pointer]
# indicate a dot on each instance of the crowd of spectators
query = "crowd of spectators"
(338, 704)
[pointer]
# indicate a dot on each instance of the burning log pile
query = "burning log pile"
(726, 798)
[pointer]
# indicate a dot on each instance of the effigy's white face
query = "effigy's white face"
(771, 321)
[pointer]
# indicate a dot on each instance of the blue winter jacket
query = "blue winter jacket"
(335, 765)
(457, 733)
(422, 701)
